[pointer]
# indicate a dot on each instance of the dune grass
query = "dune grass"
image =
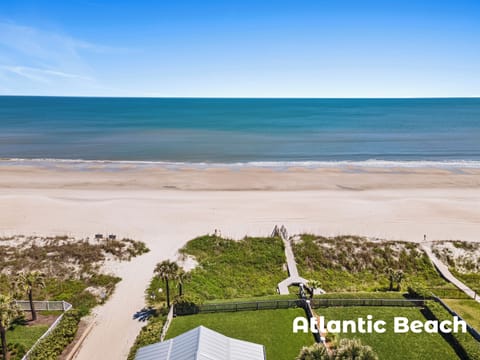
(71, 266)
(463, 260)
(350, 263)
(235, 269)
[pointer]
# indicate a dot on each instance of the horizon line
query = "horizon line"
(245, 97)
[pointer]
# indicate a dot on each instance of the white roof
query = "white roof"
(202, 343)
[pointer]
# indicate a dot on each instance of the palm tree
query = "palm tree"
(182, 277)
(349, 349)
(167, 270)
(314, 352)
(9, 312)
(27, 282)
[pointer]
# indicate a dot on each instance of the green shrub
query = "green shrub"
(150, 334)
(50, 347)
(186, 304)
(15, 350)
(419, 292)
(463, 342)
(83, 302)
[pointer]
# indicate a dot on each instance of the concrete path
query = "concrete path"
(445, 272)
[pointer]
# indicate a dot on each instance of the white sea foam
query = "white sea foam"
(371, 163)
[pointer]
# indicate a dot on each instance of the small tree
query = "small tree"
(314, 352)
(391, 277)
(26, 282)
(399, 277)
(313, 284)
(167, 270)
(9, 312)
(394, 277)
(353, 349)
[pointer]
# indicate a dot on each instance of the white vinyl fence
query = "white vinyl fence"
(44, 306)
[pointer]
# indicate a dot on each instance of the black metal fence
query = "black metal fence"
(470, 329)
(319, 302)
(291, 303)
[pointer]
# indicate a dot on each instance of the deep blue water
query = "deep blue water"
(239, 130)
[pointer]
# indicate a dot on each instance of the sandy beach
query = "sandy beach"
(165, 208)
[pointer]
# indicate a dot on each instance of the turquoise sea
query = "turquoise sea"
(264, 132)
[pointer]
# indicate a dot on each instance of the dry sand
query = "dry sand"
(166, 208)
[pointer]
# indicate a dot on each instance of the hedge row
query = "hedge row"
(464, 343)
(50, 347)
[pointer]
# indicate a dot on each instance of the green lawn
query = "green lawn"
(273, 328)
(390, 345)
(26, 335)
(469, 310)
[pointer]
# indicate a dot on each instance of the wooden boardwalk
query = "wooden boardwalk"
(445, 272)
(294, 278)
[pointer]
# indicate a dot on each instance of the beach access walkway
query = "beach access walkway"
(445, 272)
(294, 278)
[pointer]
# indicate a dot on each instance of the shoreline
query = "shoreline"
(450, 164)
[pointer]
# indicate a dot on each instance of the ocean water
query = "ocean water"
(381, 132)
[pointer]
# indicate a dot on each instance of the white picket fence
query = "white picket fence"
(44, 306)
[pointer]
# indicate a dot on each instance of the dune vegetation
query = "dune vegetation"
(351, 263)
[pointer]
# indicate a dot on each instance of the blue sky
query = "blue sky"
(243, 48)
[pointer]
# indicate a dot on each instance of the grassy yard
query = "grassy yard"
(468, 309)
(273, 328)
(26, 335)
(350, 263)
(390, 345)
(235, 269)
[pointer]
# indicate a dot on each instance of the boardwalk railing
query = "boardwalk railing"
(44, 306)
(292, 303)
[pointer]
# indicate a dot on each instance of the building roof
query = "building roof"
(202, 343)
